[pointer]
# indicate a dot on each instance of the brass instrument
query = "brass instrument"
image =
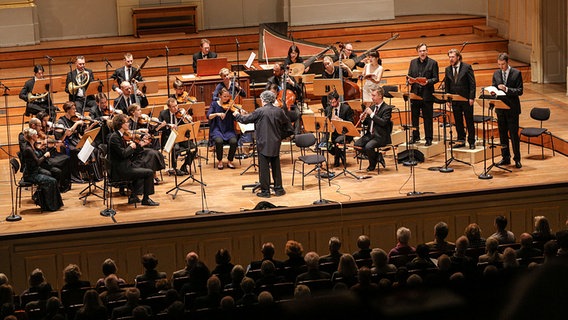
(33, 97)
(82, 79)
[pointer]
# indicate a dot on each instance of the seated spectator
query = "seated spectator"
(34, 281)
(113, 291)
(346, 271)
(92, 308)
(108, 267)
(72, 278)
(223, 267)
(550, 251)
(132, 301)
(364, 245)
(268, 275)
(313, 273)
(44, 293)
(473, 234)
(150, 262)
(422, 260)
(562, 241)
(380, 265)
(162, 286)
(237, 275)
(364, 288)
(542, 231)
(492, 256)
(295, 263)
(510, 259)
(54, 309)
(171, 296)
(213, 297)
(6, 297)
(227, 303)
(249, 297)
(414, 281)
(267, 254)
(334, 255)
(402, 247)
(460, 262)
(265, 298)
(527, 251)
(502, 234)
(440, 244)
(197, 272)
(302, 292)
(176, 311)
(140, 313)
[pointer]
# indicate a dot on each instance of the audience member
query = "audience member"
(502, 234)
(364, 288)
(268, 276)
(176, 311)
(380, 265)
(197, 272)
(140, 313)
(460, 262)
(265, 298)
(295, 263)
(364, 245)
(223, 267)
(213, 297)
(302, 292)
(346, 271)
(72, 278)
(562, 241)
(492, 256)
(108, 267)
(113, 291)
(150, 262)
(510, 259)
(422, 260)
(249, 297)
(402, 247)
(34, 281)
(267, 254)
(550, 250)
(227, 303)
(132, 301)
(39, 306)
(313, 273)
(542, 231)
(334, 253)
(473, 234)
(440, 244)
(527, 251)
(93, 308)
(237, 275)
(54, 309)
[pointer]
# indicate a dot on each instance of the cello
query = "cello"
(286, 96)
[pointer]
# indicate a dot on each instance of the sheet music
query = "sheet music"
(188, 76)
(497, 92)
(250, 60)
(86, 151)
(246, 127)
(171, 140)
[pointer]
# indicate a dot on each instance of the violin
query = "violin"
(186, 98)
(47, 144)
(136, 136)
(231, 106)
(146, 119)
(55, 127)
(182, 115)
(85, 119)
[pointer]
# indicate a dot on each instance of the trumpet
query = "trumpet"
(82, 79)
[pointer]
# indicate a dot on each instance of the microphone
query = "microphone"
(107, 62)
(237, 41)
(49, 58)
(167, 49)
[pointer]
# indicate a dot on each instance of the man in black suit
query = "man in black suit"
(126, 73)
(378, 120)
(170, 120)
(460, 80)
(337, 111)
(205, 53)
(37, 103)
(271, 126)
(128, 97)
(509, 80)
(81, 78)
(119, 153)
(422, 75)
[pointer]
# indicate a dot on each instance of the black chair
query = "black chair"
(368, 262)
(178, 282)
(501, 248)
(73, 297)
(401, 260)
(318, 287)
(329, 267)
(109, 182)
(147, 288)
(539, 114)
(304, 142)
(19, 184)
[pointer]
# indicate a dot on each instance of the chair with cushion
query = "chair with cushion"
(304, 142)
(539, 114)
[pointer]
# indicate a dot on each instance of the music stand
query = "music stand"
(148, 86)
(494, 104)
(183, 134)
(92, 186)
(93, 89)
(315, 124)
(345, 128)
(322, 87)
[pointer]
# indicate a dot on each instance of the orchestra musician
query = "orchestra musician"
(338, 111)
(293, 56)
(377, 118)
(49, 197)
(278, 73)
(56, 164)
(39, 102)
(73, 128)
(146, 156)
(80, 78)
(347, 53)
(230, 83)
(422, 75)
(204, 53)
(180, 94)
(127, 98)
(332, 72)
(459, 79)
(120, 153)
(102, 113)
(125, 73)
(222, 128)
(372, 74)
(170, 119)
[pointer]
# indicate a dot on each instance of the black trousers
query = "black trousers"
(219, 148)
(427, 108)
(142, 180)
(509, 128)
(369, 146)
(461, 110)
(264, 164)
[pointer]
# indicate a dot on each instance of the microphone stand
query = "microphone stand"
(49, 104)
(238, 61)
(13, 214)
(107, 65)
(485, 175)
(168, 69)
(204, 206)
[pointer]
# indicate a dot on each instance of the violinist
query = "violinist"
(170, 119)
(128, 97)
(222, 128)
(230, 83)
(125, 73)
(377, 118)
(49, 197)
(120, 152)
(181, 95)
(39, 102)
(332, 72)
(146, 156)
(338, 111)
(102, 113)
(372, 74)
(56, 164)
(74, 127)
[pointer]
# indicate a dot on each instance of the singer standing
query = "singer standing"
(426, 68)
(509, 80)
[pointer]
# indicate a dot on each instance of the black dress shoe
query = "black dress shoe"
(180, 173)
(518, 164)
(382, 161)
(504, 162)
(413, 140)
(428, 143)
(459, 145)
(133, 200)
(149, 202)
(280, 192)
(472, 147)
(369, 169)
(263, 194)
(122, 191)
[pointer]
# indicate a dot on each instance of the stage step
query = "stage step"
(474, 156)
(484, 31)
(435, 149)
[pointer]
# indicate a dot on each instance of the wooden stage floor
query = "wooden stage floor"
(225, 195)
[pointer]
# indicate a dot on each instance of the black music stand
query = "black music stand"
(250, 130)
(183, 134)
(316, 124)
(13, 217)
(494, 104)
(91, 168)
(345, 128)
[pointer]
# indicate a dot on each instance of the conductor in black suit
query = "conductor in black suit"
(81, 78)
(459, 79)
(423, 67)
(338, 111)
(119, 153)
(379, 124)
(509, 80)
(271, 126)
(126, 73)
(205, 53)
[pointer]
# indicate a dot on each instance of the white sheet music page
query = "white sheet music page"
(86, 151)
